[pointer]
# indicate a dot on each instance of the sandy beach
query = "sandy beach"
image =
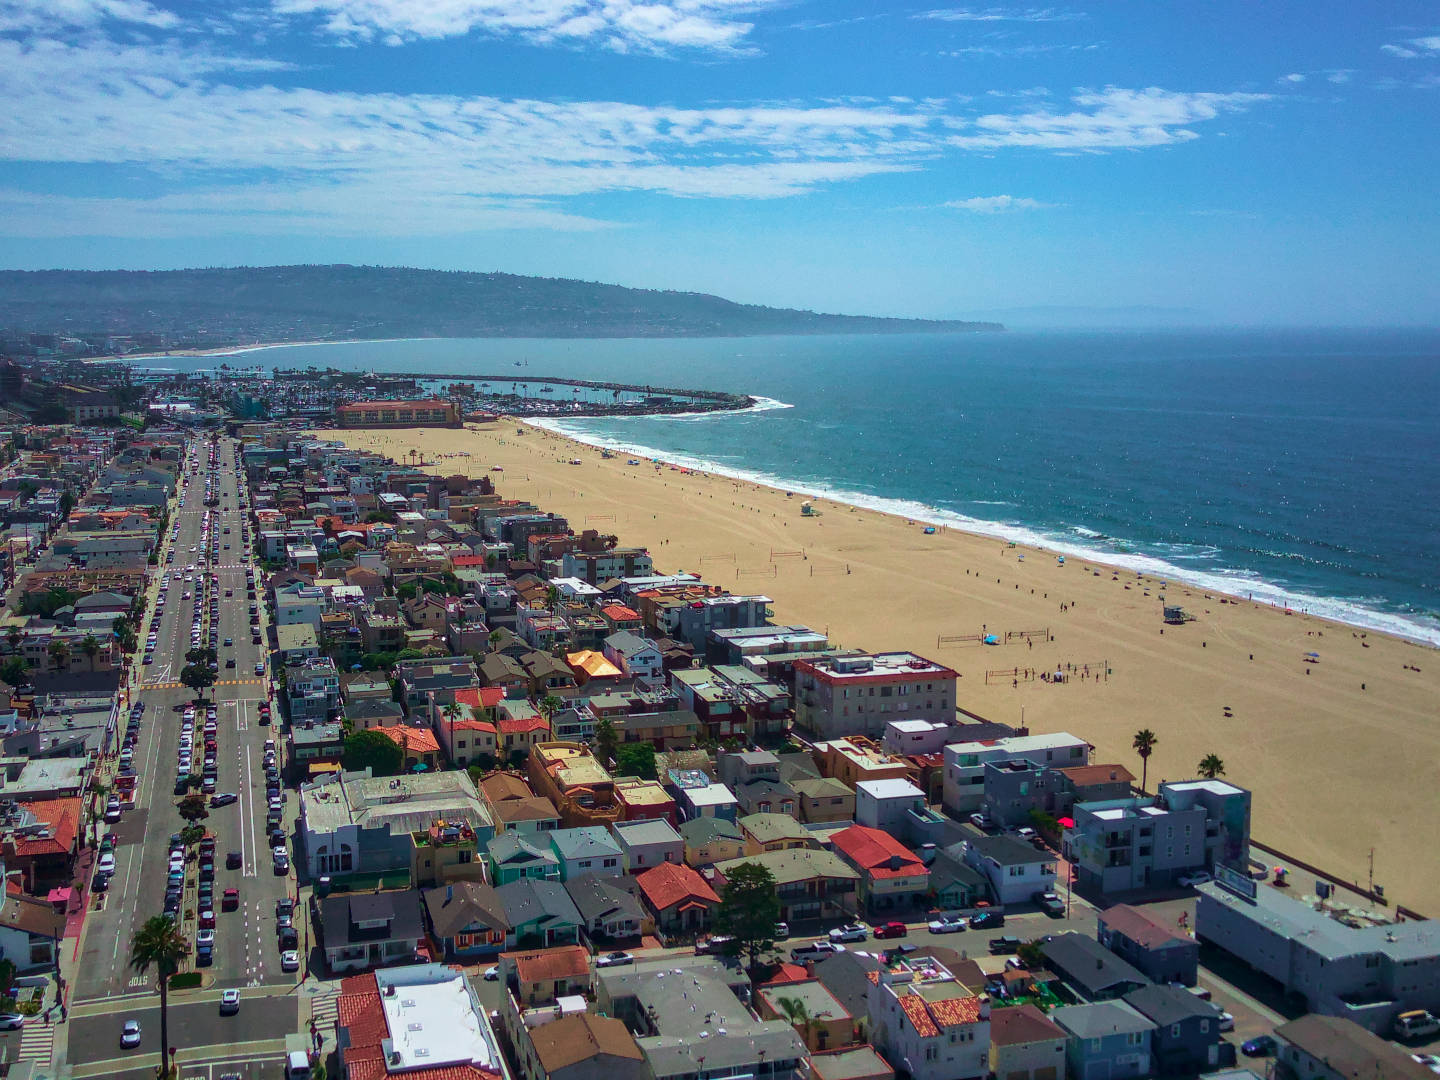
(1341, 753)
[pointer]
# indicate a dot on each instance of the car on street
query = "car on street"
(1260, 1046)
(229, 1002)
(849, 933)
(492, 973)
(1189, 881)
(106, 865)
(1026, 833)
(1227, 1022)
(1051, 904)
(949, 925)
(205, 937)
(230, 900)
(614, 959)
(130, 1035)
(891, 929)
(987, 920)
(234, 860)
(814, 951)
(11, 1021)
(223, 798)
(999, 946)
(781, 931)
(290, 961)
(207, 919)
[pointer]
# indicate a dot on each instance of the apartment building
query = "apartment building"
(862, 694)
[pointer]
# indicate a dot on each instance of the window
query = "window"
(1174, 1031)
(609, 862)
(931, 1053)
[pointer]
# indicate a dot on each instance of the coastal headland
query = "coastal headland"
(1340, 748)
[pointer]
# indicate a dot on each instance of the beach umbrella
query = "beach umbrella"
(419, 766)
(1316, 655)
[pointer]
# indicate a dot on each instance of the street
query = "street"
(246, 953)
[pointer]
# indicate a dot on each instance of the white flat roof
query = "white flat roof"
(896, 787)
(1018, 744)
(432, 1020)
(1217, 787)
(710, 795)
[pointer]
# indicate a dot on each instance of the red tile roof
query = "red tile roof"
(63, 817)
(929, 1017)
(547, 965)
(482, 697)
(914, 1007)
(872, 850)
(787, 972)
(619, 612)
(411, 740)
(666, 885)
(520, 724)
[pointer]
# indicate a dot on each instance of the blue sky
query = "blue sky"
(1215, 163)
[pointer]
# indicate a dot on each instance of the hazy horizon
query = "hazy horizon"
(1078, 166)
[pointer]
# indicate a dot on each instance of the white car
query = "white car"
(492, 973)
(130, 1035)
(1189, 881)
(1227, 1022)
(106, 865)
(229, 1002)
(614, 959)
(290, 961)
(852, 932)
(946, 926)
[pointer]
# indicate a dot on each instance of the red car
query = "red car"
(890, 930)
(230, 900)
(207, 920)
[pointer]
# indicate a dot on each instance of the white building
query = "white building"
(964, 781)
(923, 1021)
(886, 804)
(919, 736)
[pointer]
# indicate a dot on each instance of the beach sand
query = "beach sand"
(1341, 754)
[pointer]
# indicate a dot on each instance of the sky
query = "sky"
(1217, 163)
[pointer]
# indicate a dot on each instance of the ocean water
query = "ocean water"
(1300, 467)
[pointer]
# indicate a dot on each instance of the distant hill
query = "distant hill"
(224, 306)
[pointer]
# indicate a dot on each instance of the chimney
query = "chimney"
(810, 966)
(449, 893)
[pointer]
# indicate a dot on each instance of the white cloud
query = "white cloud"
(1110, 119)
(1421, 46)
(996, 204)
(1293, 77)
(623, 25)
(997, 14)
(216, 148)
(1339, 76)
(20, 15)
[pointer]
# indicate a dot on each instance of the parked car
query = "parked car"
(1050, 904)
(890, 929)
(11, 1021)
(223, 798)
(814, 951)
(987, 920)
(1189, 881)
(614, 959)
(850, 933)
(950, 924)
(1260, 1046)
(999, 946)
(290, 961)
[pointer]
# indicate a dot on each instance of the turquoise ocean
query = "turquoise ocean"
(1300, 467)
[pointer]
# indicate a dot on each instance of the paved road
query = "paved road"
(193, 1023)
(246, 952)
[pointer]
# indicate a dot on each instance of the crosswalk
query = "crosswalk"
(218, 682)
(37, 1044)
(325, 1011)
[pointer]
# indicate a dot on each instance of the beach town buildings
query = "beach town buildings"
(861, 694)
(427, 413)
(1368, 971)
(1138, 842)
(927, 1022)
(965, 764)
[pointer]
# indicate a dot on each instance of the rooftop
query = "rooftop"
(433, 1020)
(867, 667)
(407, 804)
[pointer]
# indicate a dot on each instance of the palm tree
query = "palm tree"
(14, 637)
(1211, 766)
(91, 648)
(60, 653)
(549, 704)
(452, 713)
(1144, 745)
(495, 638)
(795, 1012)
(159, 944)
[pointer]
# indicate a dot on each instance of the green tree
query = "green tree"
(192, 808)
(407, 591)
(1211, 766)
(60, 653)
(636, 759)
(200, 655)
(15, 671)
(377, 661)
(606, 740)
(1144, 745)
(14, 636)
(495, 638)
(549, 705)
(1032, 954)
(159, 944)
(197, 677)
(373, 749)
(91, 648)
(749, 910)
(192, 834)
(798, 1015)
